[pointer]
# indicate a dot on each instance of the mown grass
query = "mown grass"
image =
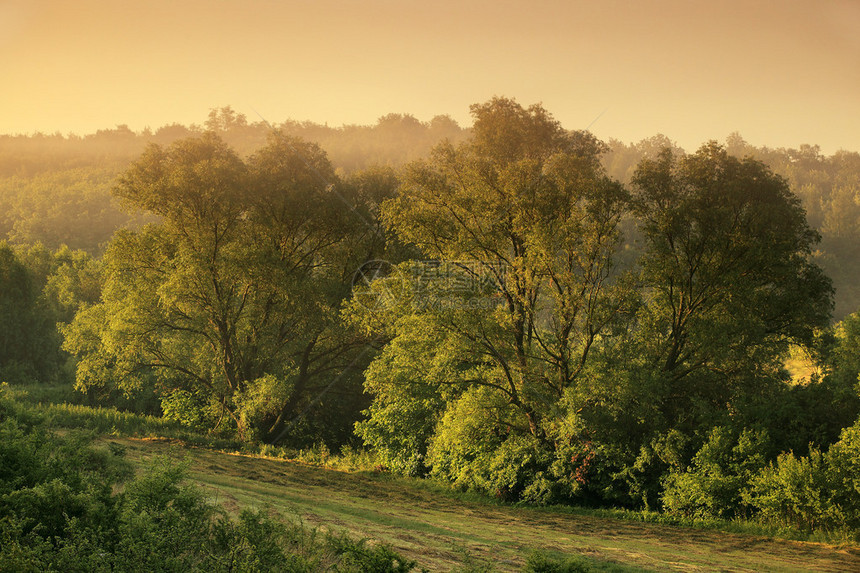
(444, 530)
(739, 526)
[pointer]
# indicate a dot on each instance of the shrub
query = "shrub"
(718, 479)
(187, 408)
(541, 563)
(817, 491)
(797, 491)
(68, 507)
(844, 461)
(475, 448)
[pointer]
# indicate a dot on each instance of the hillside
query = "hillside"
(442, 532)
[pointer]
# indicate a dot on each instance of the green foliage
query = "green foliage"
(539, 562)
(844, 460)
(232, 300)
(189, 409)
(524, 216)
(817, 491)
(100, 420)
(108, 420)
(718, 480)
(814, 410)
(556, 337)
(796, 492)
(410, 386)
(41, 290)
(635, 479)
(829, 188)
(826, 185)
(844, 356)
(726, 285)
(728, 274)
(69, 507)
(261, 400)
(55, 189)
(74, 281)
(66, 206)
(102, 372)
(476, 446)
(593, 370)
(29, 348)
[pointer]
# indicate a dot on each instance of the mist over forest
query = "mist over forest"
(55, 189)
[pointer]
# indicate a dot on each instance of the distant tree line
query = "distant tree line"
(526, 311)
(55, 189)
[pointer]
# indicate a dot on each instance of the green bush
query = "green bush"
(187, 408)
(475, 448)
(69, 507)
(817, 491)
(718, 479)
(409, 396)
(540, 563)
(797, 491)
(844, 460)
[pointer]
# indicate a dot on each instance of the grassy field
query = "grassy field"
(444, 532)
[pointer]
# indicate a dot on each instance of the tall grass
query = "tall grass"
(103, 420)
(43, 393)
(106, 420)
(349, 459)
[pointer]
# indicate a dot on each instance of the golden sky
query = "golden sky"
(781, 72)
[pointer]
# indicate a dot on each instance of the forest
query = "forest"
(513, 308)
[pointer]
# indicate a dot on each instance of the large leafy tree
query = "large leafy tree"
(727, 286)
(583, 375)
(728, 276)
(229, 304)
(524, 216)
(25, 333)
(39, 290)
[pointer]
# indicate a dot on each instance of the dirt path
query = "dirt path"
(441, 532)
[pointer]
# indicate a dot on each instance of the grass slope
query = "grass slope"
(443, 532)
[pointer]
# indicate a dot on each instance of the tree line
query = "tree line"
(55, 189)
(504, 314)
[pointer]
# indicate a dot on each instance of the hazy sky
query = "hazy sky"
(781, 72)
